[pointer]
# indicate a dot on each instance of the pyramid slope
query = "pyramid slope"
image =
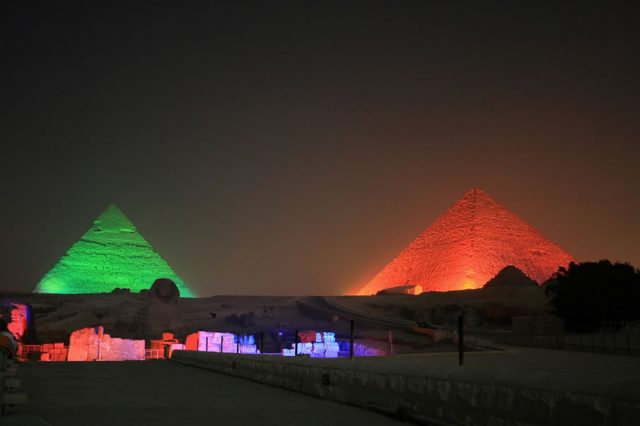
(111, 254)
(467, 246)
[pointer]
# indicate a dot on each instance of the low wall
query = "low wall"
(442, 396)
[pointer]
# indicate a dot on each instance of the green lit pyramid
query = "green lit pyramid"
(111, 254)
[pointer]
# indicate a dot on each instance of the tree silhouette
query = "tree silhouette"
(590, 294)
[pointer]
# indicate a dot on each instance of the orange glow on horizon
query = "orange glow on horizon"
(468, 284)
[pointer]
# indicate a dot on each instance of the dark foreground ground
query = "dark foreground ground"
(167, 393)
(164, 393)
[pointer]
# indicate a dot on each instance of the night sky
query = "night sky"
(297, 147)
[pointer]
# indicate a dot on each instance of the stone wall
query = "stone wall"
(441, 396)
(91, 344)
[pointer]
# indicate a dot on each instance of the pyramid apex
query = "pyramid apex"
(476, 192)
(475, 197)
(113, 219)
(113, 207)
(113, 210)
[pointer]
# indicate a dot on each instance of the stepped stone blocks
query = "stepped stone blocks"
(92, 344)
(111, 254)
(212, 341)
(84, 344)
(53, 352)
(467, 246)
(315, 344)
(117, 349)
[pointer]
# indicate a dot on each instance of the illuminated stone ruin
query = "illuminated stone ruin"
(211, 341)
(323, 344)
(467, 246)
(92, 344)
(164, 347)
(55, 352)
(17, 316)
(315, 344)
(111, 254)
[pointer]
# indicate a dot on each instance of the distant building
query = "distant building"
(402, 289)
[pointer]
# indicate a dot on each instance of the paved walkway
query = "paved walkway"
(164, 393)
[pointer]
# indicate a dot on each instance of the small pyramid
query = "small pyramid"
(111, 254)
(467, 246)
(510, 276)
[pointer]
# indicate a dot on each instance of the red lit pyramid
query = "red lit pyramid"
(467, 246)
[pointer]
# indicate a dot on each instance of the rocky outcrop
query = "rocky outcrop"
(510, 276)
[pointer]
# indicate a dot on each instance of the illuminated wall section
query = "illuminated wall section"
(111, 254)
(212, 341)
(315, 345)
(467, 246)
(93, 344)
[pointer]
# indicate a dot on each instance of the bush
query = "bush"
(591, 294)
